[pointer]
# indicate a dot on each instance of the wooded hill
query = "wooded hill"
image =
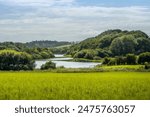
(38, 49)
(112, 43)
(46, 44)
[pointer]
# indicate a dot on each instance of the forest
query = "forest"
(112, 43)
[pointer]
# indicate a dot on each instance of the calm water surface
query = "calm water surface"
(67, 64)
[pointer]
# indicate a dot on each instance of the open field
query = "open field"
(46, 85)
(122, 68)
(103, 68)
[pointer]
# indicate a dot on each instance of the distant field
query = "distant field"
(123, 67)
(63, 46)
(50, 86)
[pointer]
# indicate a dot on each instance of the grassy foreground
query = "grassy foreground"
(45, 85)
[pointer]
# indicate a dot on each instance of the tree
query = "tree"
(44, 55)
(144, 57)
(117, 42)
(80, 54)
(106, 60)
(143, 45)
(121, 60)
(116, 47)
(48, 65)
(112, 61)
(102, 53)
(147, 65)
(13, 60)
(88, 55)
(131, 59)
(123, 45)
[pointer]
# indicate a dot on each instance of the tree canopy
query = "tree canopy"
(114, 43)
(13, 60)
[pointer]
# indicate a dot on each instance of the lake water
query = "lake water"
(67, 64)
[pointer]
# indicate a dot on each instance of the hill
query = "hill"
(112, 43)
(13, 46)
(38, 49)
(46, 44)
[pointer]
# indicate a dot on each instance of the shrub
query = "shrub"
(88, 56)
(102, 53)
(97, 58)
(121, 60)
(13, 60)
(147, 65)
(112, 61)
(79, 54)
(44, 55)
(48, 65)
(106, 60)
(131, 59)
(144, 57)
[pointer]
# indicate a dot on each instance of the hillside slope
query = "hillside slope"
(46, 44)
(112, 43)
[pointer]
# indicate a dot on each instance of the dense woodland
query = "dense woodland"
(35, 52)
(46, 44)
(38, 49)
(112, 43)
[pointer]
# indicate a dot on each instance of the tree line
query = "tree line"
(129, 59)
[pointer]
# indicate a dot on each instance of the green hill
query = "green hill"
(112, 43)
(46, 44)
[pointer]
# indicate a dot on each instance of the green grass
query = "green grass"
(122, 68)
(50, 86)
(84, 60)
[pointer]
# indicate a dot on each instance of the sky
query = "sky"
(69, 20)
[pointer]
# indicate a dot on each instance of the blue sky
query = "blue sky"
(115, 2)
(69, 20)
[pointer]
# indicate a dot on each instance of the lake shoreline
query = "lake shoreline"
(66, 62)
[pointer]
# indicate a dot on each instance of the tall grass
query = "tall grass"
(64, 86)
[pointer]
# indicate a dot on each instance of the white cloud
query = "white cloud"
(36, 2)
(73, 23)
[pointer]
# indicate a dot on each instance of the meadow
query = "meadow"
(122, 68)
(74, 86)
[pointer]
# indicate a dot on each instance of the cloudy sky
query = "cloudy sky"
(69, 20)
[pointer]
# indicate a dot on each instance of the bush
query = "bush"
(131, 59)
(48, 65)
(121, 60)
(88, 56)
(147, 65)
(97, 58)
(80, 54)
(106, 60)
(144, 57)
(13, 60)
(102, 53)
(112, 61)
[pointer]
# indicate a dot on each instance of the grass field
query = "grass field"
(47, 86)
(122, 67)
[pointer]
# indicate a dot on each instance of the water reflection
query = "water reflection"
(67, 64)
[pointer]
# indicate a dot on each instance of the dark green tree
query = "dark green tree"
(13, 60)
(123, 45)
(144, 57)
(48, 65)
(131, 59)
